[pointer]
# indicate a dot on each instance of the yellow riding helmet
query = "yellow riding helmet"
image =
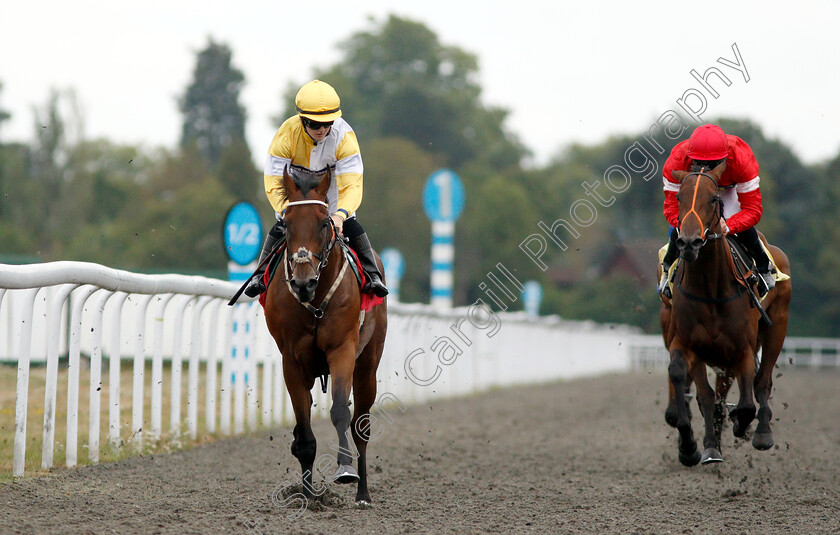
(318, 101)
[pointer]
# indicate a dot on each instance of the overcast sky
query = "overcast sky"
(568, 73)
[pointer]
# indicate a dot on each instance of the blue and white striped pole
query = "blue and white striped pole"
(394, 264)
(443, 200)
(443, 258)
(242, 240)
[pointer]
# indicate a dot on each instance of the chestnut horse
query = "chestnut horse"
(712, 321)
(314, 317)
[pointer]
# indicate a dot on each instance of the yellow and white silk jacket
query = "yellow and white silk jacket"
(339, 150)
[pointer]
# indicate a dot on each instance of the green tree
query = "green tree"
(4, 115)
(399, 80)
(237, 173)
(395, 173)
(46, 185)
(103, 183)
(214, 120)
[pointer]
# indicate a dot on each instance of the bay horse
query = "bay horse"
(711, 321)
(314, 318)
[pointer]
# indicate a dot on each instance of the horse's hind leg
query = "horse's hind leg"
(364, 394)
(744, 413)
(722, 385)
(689, 454)
(773, 339)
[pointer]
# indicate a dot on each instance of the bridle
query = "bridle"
(305, 256)
(705, 236)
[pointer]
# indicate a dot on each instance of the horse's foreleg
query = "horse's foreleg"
(671, 413)
(341, 364)
(304, 444)
(744, 413)
(706, 402)
(689, 454)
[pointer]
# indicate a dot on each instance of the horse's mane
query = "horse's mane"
(306, 179)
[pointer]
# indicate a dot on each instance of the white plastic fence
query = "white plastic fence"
(648, 351)
(88, 312)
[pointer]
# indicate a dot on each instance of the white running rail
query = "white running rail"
(74, 310)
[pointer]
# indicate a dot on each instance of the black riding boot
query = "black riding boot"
(275, 236)
(752, 243)
(361, 244)
(670, 255)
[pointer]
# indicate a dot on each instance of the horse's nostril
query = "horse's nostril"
(696, 243)
(680, 243)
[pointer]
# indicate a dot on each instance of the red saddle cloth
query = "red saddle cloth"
(367, 301)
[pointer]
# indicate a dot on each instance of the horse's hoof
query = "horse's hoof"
(690, 459)
(711, 455)
(346, 474)
(363, 504)
(741, 418)
(762, 441)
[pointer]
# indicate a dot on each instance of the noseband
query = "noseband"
(718, 208)
(304, 255)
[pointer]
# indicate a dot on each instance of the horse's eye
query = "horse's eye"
(678, 196)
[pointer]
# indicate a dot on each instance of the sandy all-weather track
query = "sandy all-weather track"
(586, 456)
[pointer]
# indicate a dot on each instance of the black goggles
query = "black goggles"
(315, 125)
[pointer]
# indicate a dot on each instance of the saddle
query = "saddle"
(743, 266)
(367, 301)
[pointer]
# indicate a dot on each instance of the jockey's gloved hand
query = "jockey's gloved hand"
(339, 222)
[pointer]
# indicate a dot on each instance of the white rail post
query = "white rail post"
(212, 365)
(114, 356)
(267, 370)
(251, 383)
(96, 374)
(192, 383)
(55, 306)
(139, 370)
(23, 333)
(226, 388)
(75, 349)
(238, 362)
(157, 364)
(177, 360)
(281, 416)
(8, 338)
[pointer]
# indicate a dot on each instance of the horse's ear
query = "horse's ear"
(324, 185)
(289, 184)
(718, 171)
(679, 175)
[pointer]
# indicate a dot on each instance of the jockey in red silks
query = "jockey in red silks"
(707, 148)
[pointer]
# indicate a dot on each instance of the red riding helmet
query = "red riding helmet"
(708, 143)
